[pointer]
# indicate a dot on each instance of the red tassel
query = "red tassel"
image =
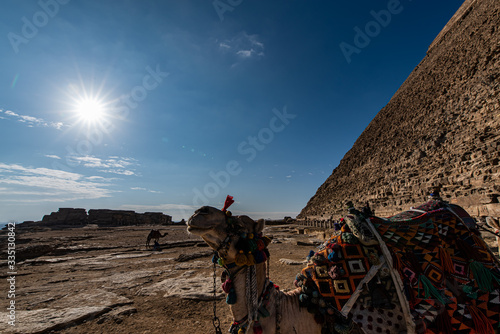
(446, 262)
(227, 285)
(257, 328)
(481, 323)
(227, 203)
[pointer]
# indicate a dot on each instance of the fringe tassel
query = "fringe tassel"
(250, 259)
(396, 261)
(478, 241)
(410, 296)
(483, 276)
(414, 263)
(429, 289)
(481, 323)
(231, 297)
(443, 321)
(240, 259)
(446, 262)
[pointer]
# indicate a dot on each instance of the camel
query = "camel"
(154, 235)
(425, 270)
(211, 225)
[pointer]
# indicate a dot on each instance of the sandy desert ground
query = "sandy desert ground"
(104, 280)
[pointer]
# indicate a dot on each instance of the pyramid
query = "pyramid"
(440, 129)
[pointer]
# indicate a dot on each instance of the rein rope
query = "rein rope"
(252, 298)
(215, 319)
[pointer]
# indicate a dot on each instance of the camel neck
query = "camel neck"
(240, 310)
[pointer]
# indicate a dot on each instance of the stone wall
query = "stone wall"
(101, 217)
(440, 129)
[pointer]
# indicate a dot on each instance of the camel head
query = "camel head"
(222, 231)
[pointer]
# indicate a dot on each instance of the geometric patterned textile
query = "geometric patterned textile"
(421, 245)
(450, 278)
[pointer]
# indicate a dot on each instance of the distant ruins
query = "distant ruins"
(101, 217)
(441, 129)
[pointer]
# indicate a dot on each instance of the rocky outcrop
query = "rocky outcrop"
(112, 217)
(440, 129)
(101, 217)
(66, 216)
(104, 217)
(31, 252)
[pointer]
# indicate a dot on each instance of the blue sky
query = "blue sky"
(170, 105)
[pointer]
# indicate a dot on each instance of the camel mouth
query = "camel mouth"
(192, 228)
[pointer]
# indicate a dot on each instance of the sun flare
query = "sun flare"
(90, 110)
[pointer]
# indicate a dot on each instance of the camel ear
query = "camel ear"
(252, 225)
(259, 226)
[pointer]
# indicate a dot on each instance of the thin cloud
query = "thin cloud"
(47, 185)
(113, 165)
(18, 169)
(148, 190)
(98, 178)
(31, 121)
(118, 171)
(245, 53)
(243, 46)
(161, 207)
(52, 156)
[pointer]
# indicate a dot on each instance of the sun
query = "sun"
(89, 106)
(90, 110)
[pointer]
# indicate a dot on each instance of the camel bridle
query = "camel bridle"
(220, 253)
(254, 301)
(222, 248)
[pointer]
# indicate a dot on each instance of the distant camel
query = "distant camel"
(155, 235)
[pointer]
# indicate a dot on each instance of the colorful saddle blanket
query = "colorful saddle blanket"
(448, 276)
